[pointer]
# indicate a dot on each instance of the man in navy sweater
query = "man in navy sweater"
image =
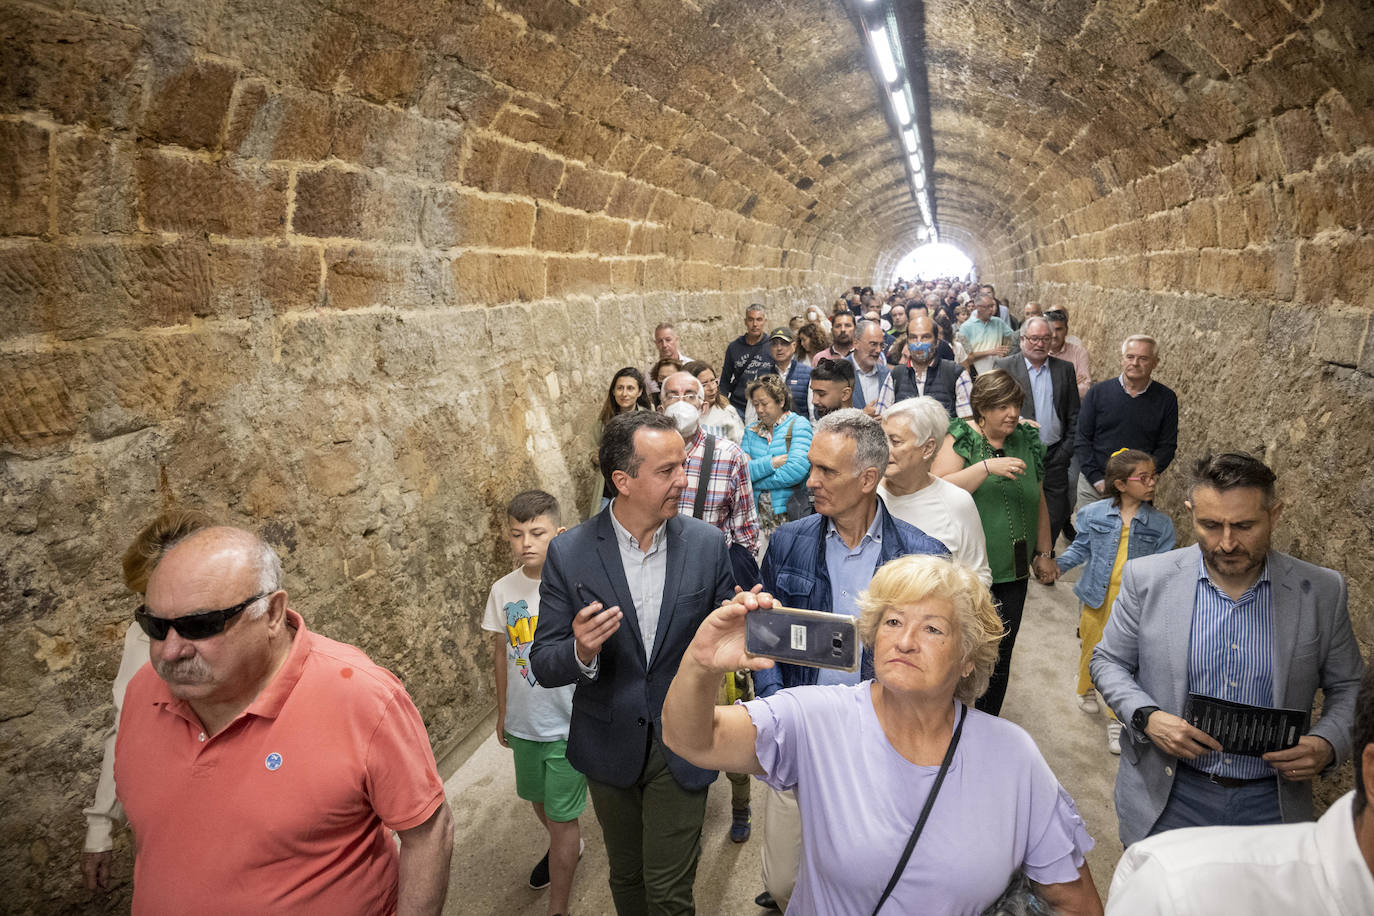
(746, 358)
(1129, 411)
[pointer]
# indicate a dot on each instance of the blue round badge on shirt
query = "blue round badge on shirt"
(274, 761)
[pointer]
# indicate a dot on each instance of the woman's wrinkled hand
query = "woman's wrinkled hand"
(719, 641)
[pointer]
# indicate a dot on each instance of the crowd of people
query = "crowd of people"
(913, 459)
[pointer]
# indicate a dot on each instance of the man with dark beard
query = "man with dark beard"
(1230, 620)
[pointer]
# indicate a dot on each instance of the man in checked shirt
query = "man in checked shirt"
(1232, 619)
(729, 505)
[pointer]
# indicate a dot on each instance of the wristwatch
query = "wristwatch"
(1040, 553)
(1142, 716)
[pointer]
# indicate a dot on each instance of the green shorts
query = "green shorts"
(544, 776)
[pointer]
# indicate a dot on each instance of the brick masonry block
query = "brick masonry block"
(607, 236)
(498, 167)
(585, 189)
(560, 230)
(77, 291)
(1231, 221)
(286, 123)
(25, 186)
(460, 218)
(38, 414)
(1339, 335)
(1346, 128)
(1173, 185)
(333, 202)
(487, 279)
(362, 278)
(252, 278)
(631, 200)
(229, 197)
(578, 276)
(389, 74)
(96, 184)
(457, 93)
(530, 120)
(188, 105)
(81, 70)
(1299, 139)
(1200, 225)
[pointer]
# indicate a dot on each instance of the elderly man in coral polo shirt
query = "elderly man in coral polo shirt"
(263, 767)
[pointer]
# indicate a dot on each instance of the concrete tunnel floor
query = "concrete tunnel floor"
(497, 839)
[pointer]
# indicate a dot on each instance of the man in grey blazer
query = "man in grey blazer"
(1051, 400)
(1232, 619)
(621, 597)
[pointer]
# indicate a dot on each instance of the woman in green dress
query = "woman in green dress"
(1000, 460)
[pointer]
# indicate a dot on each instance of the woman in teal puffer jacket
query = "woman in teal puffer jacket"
(777, 447)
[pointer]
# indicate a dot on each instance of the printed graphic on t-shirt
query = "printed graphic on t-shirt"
(520, 627)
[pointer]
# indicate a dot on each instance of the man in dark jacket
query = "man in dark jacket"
(1050, 387)
(821, 563)
(746, 358)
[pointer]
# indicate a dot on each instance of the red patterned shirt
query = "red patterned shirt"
(729, 495)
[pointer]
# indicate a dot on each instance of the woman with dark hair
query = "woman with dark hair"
(811, 339)
(1001, 461)
(1110, 532)
(718, 418)
(627, 392)
(661, 370)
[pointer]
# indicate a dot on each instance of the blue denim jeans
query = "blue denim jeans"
(1196, 802)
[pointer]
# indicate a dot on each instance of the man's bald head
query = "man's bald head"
(213, 563)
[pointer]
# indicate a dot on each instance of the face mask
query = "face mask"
(921, 350)
(685, 415)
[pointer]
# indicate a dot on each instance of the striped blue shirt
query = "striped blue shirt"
(1230, 657)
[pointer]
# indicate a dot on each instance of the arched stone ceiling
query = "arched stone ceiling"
(1039, 108)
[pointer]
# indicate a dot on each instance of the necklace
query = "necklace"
(1017, 519)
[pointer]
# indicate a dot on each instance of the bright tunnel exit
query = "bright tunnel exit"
(934, 259)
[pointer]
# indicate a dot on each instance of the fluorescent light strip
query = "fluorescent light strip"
(882, 50)
(899, 106)
(909, 138)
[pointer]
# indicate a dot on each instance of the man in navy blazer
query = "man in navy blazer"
(621, 597)
(1051, 400)
(1231, 619)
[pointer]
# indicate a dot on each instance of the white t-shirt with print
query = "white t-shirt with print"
(532, 712)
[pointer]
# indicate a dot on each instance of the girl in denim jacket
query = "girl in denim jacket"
(1110, 532)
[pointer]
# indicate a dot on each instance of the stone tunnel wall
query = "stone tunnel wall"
(351, 275)
(1252, 259)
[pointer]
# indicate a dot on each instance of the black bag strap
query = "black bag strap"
(925, 812)
(704, 478)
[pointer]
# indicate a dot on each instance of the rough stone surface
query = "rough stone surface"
(353, 273)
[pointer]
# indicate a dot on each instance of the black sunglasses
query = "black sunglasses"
(192, 626)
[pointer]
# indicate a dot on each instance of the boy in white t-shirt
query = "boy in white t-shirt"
(531, 720)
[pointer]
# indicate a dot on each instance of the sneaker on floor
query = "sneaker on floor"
(1088, 703)
(1114, 738)
(766, 901)
(739, 825)
(539, 878)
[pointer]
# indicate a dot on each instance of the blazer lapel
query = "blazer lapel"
(609, 551)
(1285, 609)
(1178, 597)
(677, 560)
(1022, 375)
